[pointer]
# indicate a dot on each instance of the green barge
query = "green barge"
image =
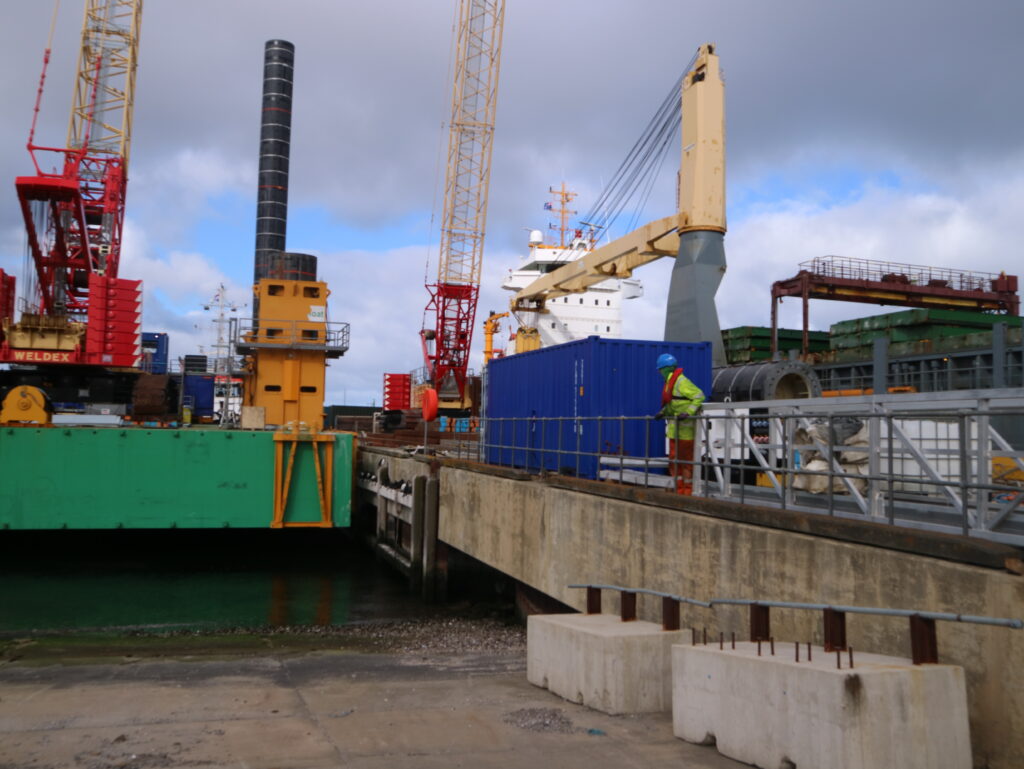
(60, 477)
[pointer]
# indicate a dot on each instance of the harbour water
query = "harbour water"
(176, 580)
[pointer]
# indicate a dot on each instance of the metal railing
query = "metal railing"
(949, 462)
(248, 334)
(923, 637)
(854, 268)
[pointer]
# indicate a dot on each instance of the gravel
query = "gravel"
(451, 635)
(455, 635)
(541, 720)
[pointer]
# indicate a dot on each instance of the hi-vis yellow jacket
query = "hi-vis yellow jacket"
(683, 402)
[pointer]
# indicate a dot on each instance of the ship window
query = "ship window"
(608, 302)
(608, 329)
(552, 324)
(581, 300)
(275, 290)
(312, 292)
(595, 303)
(307, 389)
(272, 332)
(310, 333)
(272, 388)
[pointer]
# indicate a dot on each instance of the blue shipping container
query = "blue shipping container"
(199, 387)
(155, 352)
(577, 382)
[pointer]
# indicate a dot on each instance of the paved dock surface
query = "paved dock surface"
(322, 709)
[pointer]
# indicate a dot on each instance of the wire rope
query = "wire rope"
(635, 178)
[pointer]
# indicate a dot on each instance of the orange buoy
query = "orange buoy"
(430, 405)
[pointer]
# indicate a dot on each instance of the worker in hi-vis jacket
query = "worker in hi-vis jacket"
(680, 402)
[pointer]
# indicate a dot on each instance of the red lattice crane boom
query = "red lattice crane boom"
(453, 298)
(79, 311)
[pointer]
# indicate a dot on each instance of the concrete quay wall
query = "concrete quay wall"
(549, 534)
(399, 464)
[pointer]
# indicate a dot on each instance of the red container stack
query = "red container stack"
(114, 335)
(6, 297)
(397, 392)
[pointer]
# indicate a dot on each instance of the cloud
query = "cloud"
(373, 89)
(178, 292)
(923, 101)
(976, 227)
(12, 245)
(170, 194)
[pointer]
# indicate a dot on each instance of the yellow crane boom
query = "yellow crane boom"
(104, 97)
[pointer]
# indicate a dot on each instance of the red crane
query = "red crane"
(78, 311)
(453, 298)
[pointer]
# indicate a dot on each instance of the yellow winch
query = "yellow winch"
(25, 405)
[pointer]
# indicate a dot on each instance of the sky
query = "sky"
(879, 130)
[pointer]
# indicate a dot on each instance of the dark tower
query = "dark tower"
(275, 143)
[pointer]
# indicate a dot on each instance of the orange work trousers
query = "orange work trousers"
(680, 455)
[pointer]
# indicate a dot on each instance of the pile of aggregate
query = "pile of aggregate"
(456, 635)
(541, 720)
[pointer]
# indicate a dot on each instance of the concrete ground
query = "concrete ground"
(316, 709)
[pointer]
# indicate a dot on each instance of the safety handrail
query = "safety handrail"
(923, 638)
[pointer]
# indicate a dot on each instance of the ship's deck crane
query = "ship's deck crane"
(492, 325)
(453, 298)
(78, 311)
(693, 235)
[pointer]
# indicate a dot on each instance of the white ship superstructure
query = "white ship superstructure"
(595, 312)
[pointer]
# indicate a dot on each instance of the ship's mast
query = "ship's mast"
(563, 197)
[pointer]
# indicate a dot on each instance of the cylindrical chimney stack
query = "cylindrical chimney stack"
(275, 141)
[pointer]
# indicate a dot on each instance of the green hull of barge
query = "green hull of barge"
(113, 478)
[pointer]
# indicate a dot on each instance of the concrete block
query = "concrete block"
(253, 418)
(771, 711)
(600, 661)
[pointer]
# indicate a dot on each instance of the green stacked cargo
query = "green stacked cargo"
(915, 332)
(747, 344)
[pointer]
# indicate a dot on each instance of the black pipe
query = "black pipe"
(275, 142)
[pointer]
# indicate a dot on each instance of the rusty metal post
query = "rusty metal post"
(835, 629)
(924, 643)
(760, 622)
(669, 613)
(593, 600)
(628, 606)
(430, 540)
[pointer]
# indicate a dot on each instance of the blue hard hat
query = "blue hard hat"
(666, 361)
